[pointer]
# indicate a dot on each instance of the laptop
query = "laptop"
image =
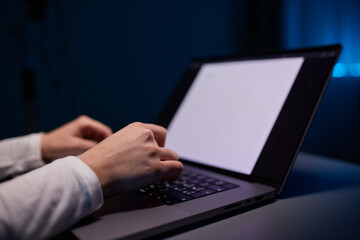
(237, 124)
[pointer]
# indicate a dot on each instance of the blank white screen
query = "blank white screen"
(229, 111)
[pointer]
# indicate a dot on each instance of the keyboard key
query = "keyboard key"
(178, 196)
(162, 190)
(197, 188)
(186, 178)
(189, 192)
(193, 174)
(179, 189)
(203, 193)
(180, 182)
(209, 180)
(170, 185)
(196, 181)
(200, 177)
(204, 184)
(217, 188)
(219, 182)
(189, 186)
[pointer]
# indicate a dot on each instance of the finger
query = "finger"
(171, 170)
(159, 133)
(168, 154)
(83, 144)
(93, 129)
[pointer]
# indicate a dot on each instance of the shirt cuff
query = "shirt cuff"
(26, 152)
(35, 149)
(90, 180)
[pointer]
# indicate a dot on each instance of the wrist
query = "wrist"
(91, 161)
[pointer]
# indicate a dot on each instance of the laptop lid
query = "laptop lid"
(246, 116)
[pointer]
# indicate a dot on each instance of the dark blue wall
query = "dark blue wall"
(116, 61)
(335, 131)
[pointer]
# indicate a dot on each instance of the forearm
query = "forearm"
(20, 154)
(48, 200)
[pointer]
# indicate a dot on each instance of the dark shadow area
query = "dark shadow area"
(335, 129)
(302, 182)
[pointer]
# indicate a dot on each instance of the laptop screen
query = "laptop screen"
(229, 111)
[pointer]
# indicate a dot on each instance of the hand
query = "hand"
(73, 138)
(132, 158)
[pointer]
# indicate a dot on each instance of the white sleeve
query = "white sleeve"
(20, 154)
(48, 200)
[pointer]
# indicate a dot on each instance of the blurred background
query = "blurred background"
(118, 61)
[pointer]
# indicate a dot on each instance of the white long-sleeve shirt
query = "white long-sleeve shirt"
(46, 201)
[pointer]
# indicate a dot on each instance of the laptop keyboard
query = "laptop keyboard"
(190, 185)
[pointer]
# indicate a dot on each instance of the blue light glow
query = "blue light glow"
(355, 70)
(339, 70)
(308, 23)
(346, 70)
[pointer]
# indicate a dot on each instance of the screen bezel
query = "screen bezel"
(288, 132)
